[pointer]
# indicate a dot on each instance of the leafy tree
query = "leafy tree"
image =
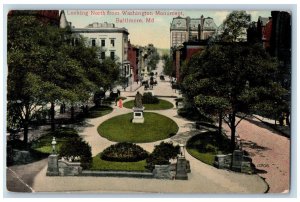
(153, 57)
(231, 78)
(168, 65)
(234, 27)
(46, 65)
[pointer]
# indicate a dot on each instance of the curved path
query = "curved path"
(202, 179)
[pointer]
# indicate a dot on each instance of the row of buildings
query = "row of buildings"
(115, 44)
(191, 35)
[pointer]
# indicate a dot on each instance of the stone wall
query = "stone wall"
(164, 171)
(66, 168)
(21, 157)
(236, 162)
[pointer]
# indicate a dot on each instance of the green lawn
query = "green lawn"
(163, 104)
(205, 146)
(95, 112)
(121, 129)
(62, 135)
(99, 164)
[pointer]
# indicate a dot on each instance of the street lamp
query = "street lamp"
(53, 145)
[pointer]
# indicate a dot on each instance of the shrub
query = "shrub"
(77, 149)
(161, 154)
(124, 152)
(148, 98)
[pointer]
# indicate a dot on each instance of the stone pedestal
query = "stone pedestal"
(181, 169)
(138, 115)
(237, 159)
(52, 165)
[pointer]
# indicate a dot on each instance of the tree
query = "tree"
(168, 65)
(46, 65)
(153, 57)
(233, 78)
(234, 27)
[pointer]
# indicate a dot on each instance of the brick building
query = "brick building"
(133, 57)
(191, 29)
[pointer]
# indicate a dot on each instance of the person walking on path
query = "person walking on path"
(120, 103)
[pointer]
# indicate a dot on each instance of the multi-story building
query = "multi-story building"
(191, 29)
(133, 57)
(113, 42)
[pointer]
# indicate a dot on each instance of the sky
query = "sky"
(142, 33)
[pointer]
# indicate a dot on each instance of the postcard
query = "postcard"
(149, 101)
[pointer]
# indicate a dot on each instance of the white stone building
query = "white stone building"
(113, 42)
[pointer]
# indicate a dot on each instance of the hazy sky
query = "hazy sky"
(142, 32)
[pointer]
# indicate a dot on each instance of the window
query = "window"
(93, 42)
(112, 55)
(102, 55)
(112, 43)
(102, 42)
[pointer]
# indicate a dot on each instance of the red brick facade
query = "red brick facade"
(266, 34)
(133, 59)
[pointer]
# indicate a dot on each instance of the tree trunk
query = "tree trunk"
(220, 123)
(26, 124)
(52, 114)
(232, 128)
(25, 137)
(72, 112)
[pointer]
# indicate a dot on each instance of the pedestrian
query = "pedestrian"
(176, 103)
(120, 103)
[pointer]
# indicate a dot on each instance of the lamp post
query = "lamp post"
(53, 145)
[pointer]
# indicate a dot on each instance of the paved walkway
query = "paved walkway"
(269, 151)
(203, 179)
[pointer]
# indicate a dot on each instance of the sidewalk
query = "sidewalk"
(270, 152)
(283, 130)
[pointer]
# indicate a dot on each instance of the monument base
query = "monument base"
(138, 115)
(181, 171)
(138, 120)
